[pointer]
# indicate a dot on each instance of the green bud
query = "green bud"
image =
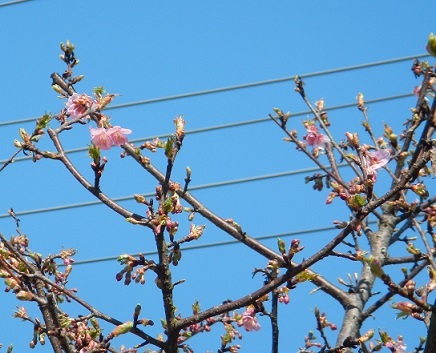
(278, 112)
(431, 44)
(139, 198)
(383, 336)
(375, 267)
(43, 121)
(281, 244)
(23, 134)
(77, 79)
(24, 295)
(18, 144)
(94, 152)
(367, 336)
(122, 329)
(137, 311)
(58, 89)
(98, 91)
(70, 46)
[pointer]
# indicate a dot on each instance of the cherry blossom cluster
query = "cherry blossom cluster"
(104, 137)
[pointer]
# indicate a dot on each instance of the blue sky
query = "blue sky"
(144, 50)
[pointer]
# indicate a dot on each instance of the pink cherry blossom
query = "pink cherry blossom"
(417, 90)
(101, 138)
(396, 347)
(106, 138)
(284, 298)
(249, 320)
(375, 160)
(78, 105)
(315, 138)
(117, 135)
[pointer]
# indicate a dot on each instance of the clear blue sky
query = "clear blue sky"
(144, 50)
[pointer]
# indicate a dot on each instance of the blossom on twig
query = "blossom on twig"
(375, 160)
(118, 135)
(314, 138)
(398, 347)
(106, 138)
(79, 105)
(249, 320)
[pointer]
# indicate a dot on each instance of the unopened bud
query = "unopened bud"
(122, 329)
(278, 112)
(24, 295)
(58, 89)
(139, 198)
(431, 44)
(367, 336)
(320, 105)
(353, 139)
(360, 101)
(18, 144)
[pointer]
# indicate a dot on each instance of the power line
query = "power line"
(232, 125)
(242, 86)
(222, 243)
(193, 188)
(16, 2)
(211, 245)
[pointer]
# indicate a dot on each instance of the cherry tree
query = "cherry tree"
(406, 160)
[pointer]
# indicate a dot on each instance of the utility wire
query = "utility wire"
(16, 2)
(211, 245)
(242, 86)
(232, 125)
(193, 188)
(221, 243)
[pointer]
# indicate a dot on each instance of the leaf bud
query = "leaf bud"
(58, 89)
(122, 329)
(367, 336)
(431, 45)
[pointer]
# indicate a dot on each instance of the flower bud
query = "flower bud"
(139, 198)
(58, 89)
(375, 267)
(367, 336)
(279, 112)
(320, 105)
(360, 101)
(353, 139)
(281, 244)
(18, 144)
(24, 295)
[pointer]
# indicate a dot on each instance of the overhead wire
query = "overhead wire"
(228, 182)
(215, 244)
(193, 188)
(221, 243)
(242, 86)
(231, 125)
(198, 187)
(15, 2)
